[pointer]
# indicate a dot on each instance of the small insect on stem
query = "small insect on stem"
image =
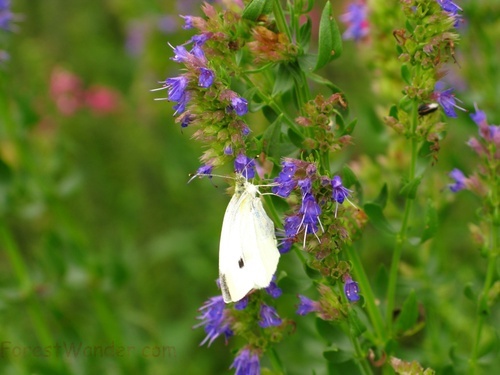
(427, 108)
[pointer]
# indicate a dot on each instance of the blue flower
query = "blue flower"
(181, 104)
(245, 165)
(449, 6)
(351, 290)
(241, 304)
(228, 150)
(285, 246)
(339, 192)
(306, 305)
(239, 105)
(292, 225)
(246, 363)
(268, 317)
(446, 99)
(356, 20)
(214, 319)
(305, 186)
(198, 40)
(459, 178)
(310, 211)
(181, 54)
(6, 15)
(285, 182)
(273, 290)
(198, 52)
(188, 22)
(186, 120)
(176, 87)
(479, 117)
(206, 77)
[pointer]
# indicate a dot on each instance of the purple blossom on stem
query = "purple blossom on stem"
(446, 99)
(246, 363)
(214, 320)
(269, 317)
(181, 54)
(176, 87)
(356, 20)
(188, 22)
(285, 181)
(305, 186)
(186, 120)
(239, 105)
(310, 210)
(198, 40)
(459, 178)
(241, 304)
(306, 305)
(6, 16)
(181, 104)
(206, 77)
(479, 117)
(245, 166)
(273, 290)
(351, 290)
(339, 192)
(228, 150)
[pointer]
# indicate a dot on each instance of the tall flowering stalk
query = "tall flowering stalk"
(255, 58)
(485, 183)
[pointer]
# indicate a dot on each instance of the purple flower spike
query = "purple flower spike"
(206, 78)
(246, 363)
(356, 20)
(239, 105)
(181, 54)
(181, 104)
(449, 6)
(273, 290)
(339, 192)
(269, 317)
(446, 99)
(351, 290)
(306, 305)
(188, 22)
(244, 165)
(459, 178)
(479, 117)
(241, 304)
(310, 210)
(176, 87)
(214, 319)
(285, 181)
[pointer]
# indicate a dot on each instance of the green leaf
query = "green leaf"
(284, 80)
(326, 82)
(312, 273)
(406, 74)
(305, 34)
(5, 173)
(256, 8)
(307, 62)
(337, 355)
(350, 367)
(271, 138)
(393, 112)
(431, 222)
(330, 40)
(329, 332)
(409, 313)
(296, 138)
(469, 292)
(377, 218)
(348, 177)
(350, 127)
(381, 200)
(409, 189)
(356, 326)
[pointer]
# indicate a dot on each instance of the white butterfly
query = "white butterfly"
(248, 253)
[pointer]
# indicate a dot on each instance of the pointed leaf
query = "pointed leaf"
(271, 138)
(381, 200)
(296, 138)
(305, 34)
(409, 313)
(377, 218)
(409, 189)
(337, 356)
(256, 8)
(330, 40)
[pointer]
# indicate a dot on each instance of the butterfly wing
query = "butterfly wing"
(248, 254)
(235, 276)
(267, 254)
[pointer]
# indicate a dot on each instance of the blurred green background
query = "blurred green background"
(104, 242)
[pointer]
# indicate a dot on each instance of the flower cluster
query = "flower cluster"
(202, 97)
(487, 147)
(215, 320)
(315, 192)
(356, 20)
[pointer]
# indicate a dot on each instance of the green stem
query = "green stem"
(275, 361)
(362, 361)
(369, 297)
(401, 237)
(482, 301)
(42, 332)
(280, 19)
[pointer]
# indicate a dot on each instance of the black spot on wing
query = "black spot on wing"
(241, 263)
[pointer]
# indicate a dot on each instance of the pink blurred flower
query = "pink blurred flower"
(101, 99)
(66, 90)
